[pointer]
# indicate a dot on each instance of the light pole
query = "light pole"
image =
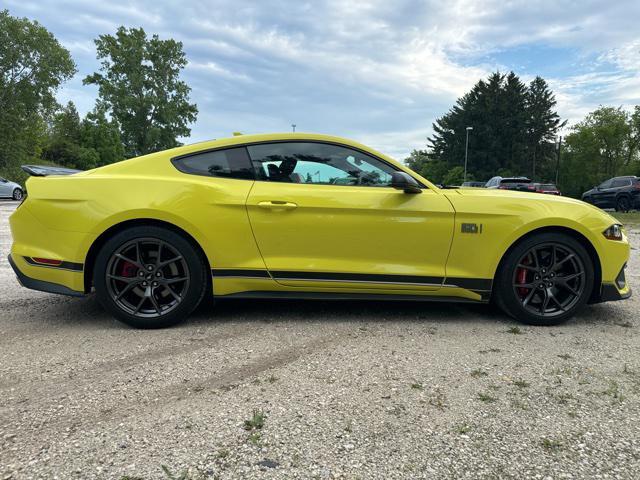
(466, 153)
(293, 126)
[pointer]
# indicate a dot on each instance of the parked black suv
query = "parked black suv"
(621, 193)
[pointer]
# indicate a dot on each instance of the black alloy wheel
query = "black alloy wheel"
(150, 277)
(545, 279)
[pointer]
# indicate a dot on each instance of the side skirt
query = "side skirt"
(347, 296)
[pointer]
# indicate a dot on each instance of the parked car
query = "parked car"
(474, 184)
(10, 189)
(548, 188)
(621, 193)
(522, 184)
(231, 218)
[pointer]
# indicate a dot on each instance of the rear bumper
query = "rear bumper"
(42, 285)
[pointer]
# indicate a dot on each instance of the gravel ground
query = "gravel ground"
(258, 389)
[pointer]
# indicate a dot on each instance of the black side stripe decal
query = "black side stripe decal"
(358, 277)
(76, 267)
(476, 284)
(240, 273)
(470, 283)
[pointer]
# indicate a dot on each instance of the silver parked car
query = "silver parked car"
(10, 189)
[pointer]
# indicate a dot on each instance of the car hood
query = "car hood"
(549, 202)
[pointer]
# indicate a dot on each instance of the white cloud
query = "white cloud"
(376, 70)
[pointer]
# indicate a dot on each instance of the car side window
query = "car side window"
(227, 163)
(318, 163)
(605, 184)
(621, 182)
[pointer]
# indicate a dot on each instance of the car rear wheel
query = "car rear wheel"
(17, 194)
(150, 277)
(623, 204)
(545, 279)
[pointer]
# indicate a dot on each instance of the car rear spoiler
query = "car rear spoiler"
(45, 171)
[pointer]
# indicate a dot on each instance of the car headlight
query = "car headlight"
(614, 232)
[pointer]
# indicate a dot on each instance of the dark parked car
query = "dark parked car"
(621, 193)
(522, 184)
(548, 188)
(474, 184)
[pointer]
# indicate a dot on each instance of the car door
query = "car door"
(5, 188)
(601, 195)
(326, 215)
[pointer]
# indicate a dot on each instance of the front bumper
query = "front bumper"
(42, 285)
(618, 290)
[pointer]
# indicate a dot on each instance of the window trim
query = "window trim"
(302, 140)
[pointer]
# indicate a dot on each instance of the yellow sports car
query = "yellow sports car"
(305, 216)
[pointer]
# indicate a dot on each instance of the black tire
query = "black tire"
(561, 286)
(623, 204)
(17, 194)
(187, 277)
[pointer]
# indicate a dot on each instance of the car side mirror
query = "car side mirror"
(404, 181)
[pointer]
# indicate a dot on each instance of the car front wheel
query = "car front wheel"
(17, 194)
(545, 279)
(150, 277)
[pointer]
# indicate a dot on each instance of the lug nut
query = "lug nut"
(149, 268)
(144, 284)
(141, 274)
(158, 274)
(155, 284)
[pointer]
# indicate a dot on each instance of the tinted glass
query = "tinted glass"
(230, 163)
(606, 184)
(621, 182)
(318, 163)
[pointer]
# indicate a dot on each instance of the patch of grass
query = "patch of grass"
(417, 386)
(520, 383)
(565, 356)
(614, 392)
(515, 330)
(486, 398)
(181, 476)
(551, 445)
(254, 438)
(630, 219)
(563, 398)
(478, 372)
(256, 422)
(462, 429)
(490, 350)
(222, 453)
(438, 400)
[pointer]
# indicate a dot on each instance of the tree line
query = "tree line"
(516, 132)
(142, 106)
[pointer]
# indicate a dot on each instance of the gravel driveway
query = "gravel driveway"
(283, 389)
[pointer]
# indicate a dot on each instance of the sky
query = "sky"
(377, 71)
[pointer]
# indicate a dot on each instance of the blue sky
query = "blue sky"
(377, 71)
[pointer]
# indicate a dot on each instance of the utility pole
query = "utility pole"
(466, 154)
(558, 158)
(293, 126)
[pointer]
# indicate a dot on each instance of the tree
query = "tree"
(504, 112)
(82, 144)
(139, 86)
(543, 122)
(33, 65)
(605, 144)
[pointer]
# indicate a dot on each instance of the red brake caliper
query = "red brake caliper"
(128, 269)
(521, 277)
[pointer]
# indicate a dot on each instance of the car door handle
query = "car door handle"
(277, 204)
